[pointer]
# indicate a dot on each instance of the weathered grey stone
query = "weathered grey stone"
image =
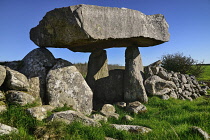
(5, 129)
(136, 107)
(2, 74)
(203, 133)
(37, 64)
(108, 110)
(165, 97)
(127, 118)
(66, 86)
(70, 116)
(16, 80)
(172, 94)
(108, 138)
(14, 65)
(39, 112)
(34, 88)
(19, 97)
(133, 81)
(155, 85)
(163, 74)
(183, 78)
(87, 28)
(132, 128)
(97, 67)
(98, 117)
(110, 89)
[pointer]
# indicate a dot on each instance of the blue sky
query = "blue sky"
(189, 26)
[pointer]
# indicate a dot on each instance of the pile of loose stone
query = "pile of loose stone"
(160, 82)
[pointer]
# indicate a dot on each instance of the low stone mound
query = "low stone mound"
(159, 81)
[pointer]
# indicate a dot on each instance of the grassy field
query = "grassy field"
(169, 120)
(206, 75)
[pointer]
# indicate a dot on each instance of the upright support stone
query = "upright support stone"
(133, 81)
(97, 67)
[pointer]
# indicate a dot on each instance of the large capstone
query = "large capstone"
(133, 81)
(86, 28)
(2, 74)
(66, 86)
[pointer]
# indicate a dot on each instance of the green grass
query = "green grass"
(169, 119)
(206, 75)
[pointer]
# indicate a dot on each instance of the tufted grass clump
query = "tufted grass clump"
(171, 119)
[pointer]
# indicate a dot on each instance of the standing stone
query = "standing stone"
(66, 86)
(37, 64)
(133, 81)
(97, 67)
(2, 74)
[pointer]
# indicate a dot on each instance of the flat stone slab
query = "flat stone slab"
(86, 28)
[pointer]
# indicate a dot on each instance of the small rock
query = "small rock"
(136, 107)
(40, 112)
(70, 116)
(205, 135)
(132, 128)
(108, 138)
(19, 97)
(108, 110)
(165, 97)
(127, 118)
(98, 117)
(5, 129)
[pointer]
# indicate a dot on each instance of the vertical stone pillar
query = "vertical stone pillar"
(97, 67)
(133, 81)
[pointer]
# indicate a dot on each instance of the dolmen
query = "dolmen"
(90, 28)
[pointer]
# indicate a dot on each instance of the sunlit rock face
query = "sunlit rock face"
(86, 28)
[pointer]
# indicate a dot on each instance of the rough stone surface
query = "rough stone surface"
(2, 74)
(98, 117)
(136, 107)
(37, 64)
(19, 97)
(70, 116)
(40, 112)
(66, 86)
(205, 135)
(157, 86)
(108, 138)
(132, 128)
(133, 81)
(110, 89)
(97, 67)
(16, 80)
(5, 129)
(87, 28)
(34, 88)
(108, 110)
(171, 84)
